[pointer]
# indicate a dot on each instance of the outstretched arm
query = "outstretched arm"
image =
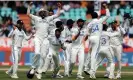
(50, 18)
(29, 8)
(107, 15)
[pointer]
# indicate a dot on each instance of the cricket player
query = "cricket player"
(78, 33)
(116, 44)
(54, 45)
(41, 25)
(18, 35)
(45, 46)
(95, 30)
(67, 44)
(106, 51)
(48, 60)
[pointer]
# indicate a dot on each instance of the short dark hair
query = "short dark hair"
(57, 30)
(105, 27)
(94, 15)
(51, 10)
(80, 20)
(69, 22)
(20, 22)
(58, 24)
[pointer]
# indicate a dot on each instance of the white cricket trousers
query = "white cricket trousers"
(44, 53)
(79, 51)
(53, 54)
(67, 57)
(94, 42)
(16, 56)
(117, 53)
(38, 43)
(106, 52)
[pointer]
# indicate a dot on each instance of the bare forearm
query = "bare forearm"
(28, 11)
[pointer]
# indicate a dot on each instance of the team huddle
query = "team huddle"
(51, 35)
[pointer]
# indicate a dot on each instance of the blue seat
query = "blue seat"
(8, 12)
(83, 15)
(114, 12)
(66, 15)
(122, 12)
(83, 9)
(14, 15)
(131, 13)
(3, 11)
(71, 10)
(127, 10)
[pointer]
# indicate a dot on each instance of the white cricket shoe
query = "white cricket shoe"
(38, 75)
(59, 76)
(111, 77)
(67, 75)
(80, 77)
(14, 76)
(32, 71)
(8, 73)
(118, 76)
(92, 75)
(106, 75)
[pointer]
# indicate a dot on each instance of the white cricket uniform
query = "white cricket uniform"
(67, 36)
(45, 46)
(95, 29)
(41, 27)
(17, 39)
(78, 49)
(54, 46)
(116, 44)
(105, 51)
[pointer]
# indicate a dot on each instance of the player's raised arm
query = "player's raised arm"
(122, 30)
(50, 18)
(29, 8)
(107, 14)
(33, 17)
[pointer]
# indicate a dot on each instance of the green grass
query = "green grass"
(47, 76)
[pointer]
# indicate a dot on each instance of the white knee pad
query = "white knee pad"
(49, 56)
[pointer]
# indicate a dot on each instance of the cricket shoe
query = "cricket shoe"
(118, 76)
(30, 73)
(8, 73)
(106, 75)
(80, 77)
(66, 75)
(111, 77)
(57, 76)
(92, 75)
(14, 76)
(38, 75)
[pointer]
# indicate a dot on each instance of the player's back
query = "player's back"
(95, 27)
(105, 39)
